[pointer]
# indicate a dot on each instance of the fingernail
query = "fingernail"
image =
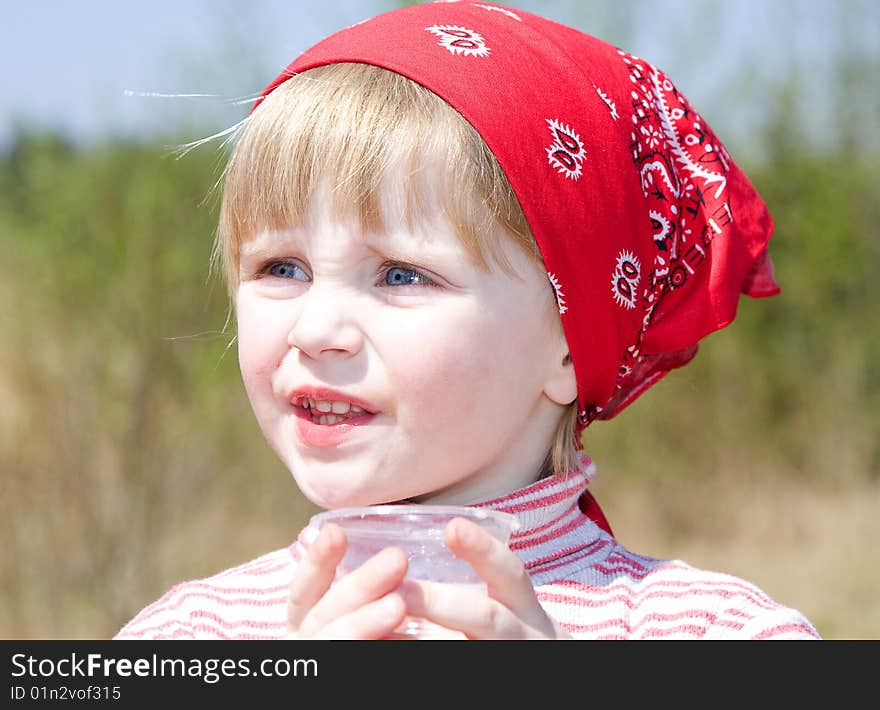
(320, 543)
(466, 534)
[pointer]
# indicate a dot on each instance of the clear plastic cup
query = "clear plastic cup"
(417, 530)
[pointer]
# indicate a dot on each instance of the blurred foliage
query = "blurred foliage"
(797, 376)
(125, 426)
(131, 459)
(123, 414)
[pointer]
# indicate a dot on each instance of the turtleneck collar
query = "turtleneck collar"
(560, 524)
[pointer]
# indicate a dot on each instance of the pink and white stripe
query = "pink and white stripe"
(583, 577)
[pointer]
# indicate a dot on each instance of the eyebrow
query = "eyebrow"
(380, 245)
(262, 244)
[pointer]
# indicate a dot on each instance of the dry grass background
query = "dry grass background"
(811, 547)
(123, 477)
(130, 459)
(86, 545)
(84, 549)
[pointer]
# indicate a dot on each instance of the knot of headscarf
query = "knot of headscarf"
(648, 229)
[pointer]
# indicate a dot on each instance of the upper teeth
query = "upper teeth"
(335, 407)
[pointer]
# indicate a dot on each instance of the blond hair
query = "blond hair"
(350, 124)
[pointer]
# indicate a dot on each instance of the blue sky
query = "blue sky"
(70, 64)
(73, 65)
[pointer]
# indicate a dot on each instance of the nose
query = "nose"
(326, 322)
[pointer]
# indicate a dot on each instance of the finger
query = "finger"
(315, 573)
(378, 576)
(375, 620)
(506, 579)
(464, 609)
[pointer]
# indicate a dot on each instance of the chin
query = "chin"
(335, 487)
(338, 497)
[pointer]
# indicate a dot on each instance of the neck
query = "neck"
(524, 462)
(478, 488)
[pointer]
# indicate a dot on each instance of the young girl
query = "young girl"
(456, 234)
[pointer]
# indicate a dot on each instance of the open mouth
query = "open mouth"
(330, 413)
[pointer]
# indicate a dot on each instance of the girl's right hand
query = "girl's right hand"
(363, 604)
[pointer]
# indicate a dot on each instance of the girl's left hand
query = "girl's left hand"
(510, 610)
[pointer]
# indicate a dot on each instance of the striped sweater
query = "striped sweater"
(586, 581)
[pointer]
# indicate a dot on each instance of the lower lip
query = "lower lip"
(323, 435)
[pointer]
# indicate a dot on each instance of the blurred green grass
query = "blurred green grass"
(131, 459)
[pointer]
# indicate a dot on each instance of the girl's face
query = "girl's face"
(438, 376)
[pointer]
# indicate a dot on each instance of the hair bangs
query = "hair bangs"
(366, 131)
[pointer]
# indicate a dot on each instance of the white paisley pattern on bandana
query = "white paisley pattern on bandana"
(460, 40)
(608, 102)
(625, 279)
(683, 171)
(499, 9)
(566, 153)
(560, 297)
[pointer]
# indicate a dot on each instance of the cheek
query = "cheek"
(261, 342)
(484, 362)
(250, 352)
(445, 372)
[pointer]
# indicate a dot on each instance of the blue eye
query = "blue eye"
(287, 270)
(403, 276)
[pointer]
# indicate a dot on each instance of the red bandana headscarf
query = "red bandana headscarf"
(648, 229)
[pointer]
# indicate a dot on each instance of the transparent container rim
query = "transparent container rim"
(416, 510)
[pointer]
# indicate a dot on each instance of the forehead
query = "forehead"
(401, 230)
(405, 211)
